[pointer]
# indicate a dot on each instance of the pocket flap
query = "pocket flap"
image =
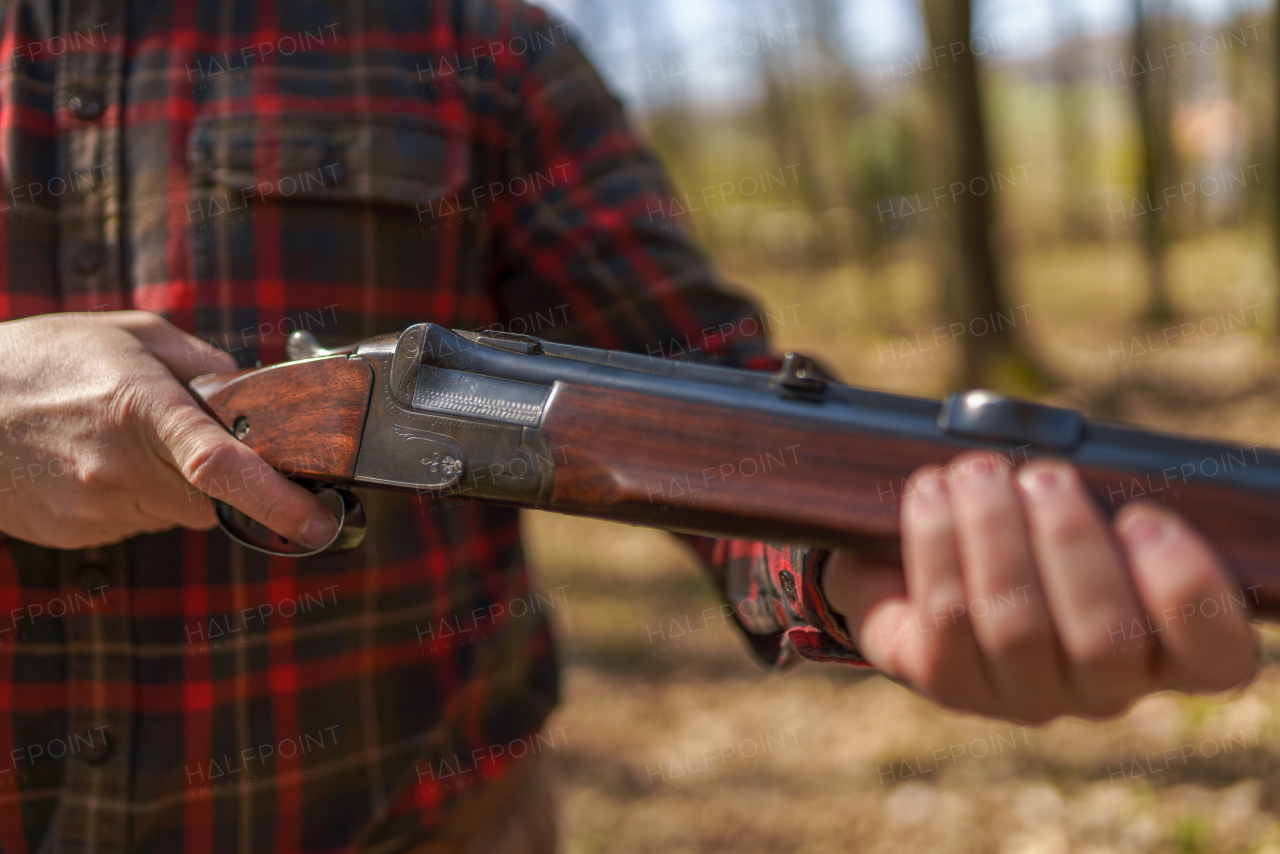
(398, 160)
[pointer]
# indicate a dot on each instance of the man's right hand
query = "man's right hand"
(100, 440)
(1076, 581)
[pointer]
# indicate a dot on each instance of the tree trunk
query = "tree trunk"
(1275, 152)
(1152, 97)
(1074, 137)
(976, 288)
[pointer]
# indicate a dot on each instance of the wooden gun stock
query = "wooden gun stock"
(701, 468)
(303, 418)
(703, 449)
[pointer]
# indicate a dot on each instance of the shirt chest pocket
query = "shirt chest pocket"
(381, 160)
(294, 213)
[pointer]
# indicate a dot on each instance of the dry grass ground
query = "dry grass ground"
(683, 744)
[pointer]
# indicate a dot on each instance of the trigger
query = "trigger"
(254, 535)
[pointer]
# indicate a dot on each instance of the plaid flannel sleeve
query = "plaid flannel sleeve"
(634, 280)
(777, 600)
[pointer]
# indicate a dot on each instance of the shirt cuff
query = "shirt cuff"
(813, 630)
(776, 594)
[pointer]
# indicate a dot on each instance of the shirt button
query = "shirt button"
(99, 750)
(92, 577)
(86, 256)
(788, 584)
(86, 105)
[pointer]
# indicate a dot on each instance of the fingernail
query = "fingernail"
(1145, 532)
(316, 533)
(1041, 482)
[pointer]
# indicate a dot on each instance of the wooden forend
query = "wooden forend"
(652, 461)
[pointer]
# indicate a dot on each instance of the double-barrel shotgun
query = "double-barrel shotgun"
(789, 457)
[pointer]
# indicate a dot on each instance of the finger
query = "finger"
(79, 522)
(857, 590)
(147, 481)
(212, 461)
(123, 488)
(1087, 587)
(184, 355)
(1010, 617)
(945, 662)
(202, 519)
(176, 501)
(1200, 616)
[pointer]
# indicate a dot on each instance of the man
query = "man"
(245, 169)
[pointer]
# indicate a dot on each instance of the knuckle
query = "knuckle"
(976, 462)
(205, 463)
(1108, 689)
(928, 527)
(185, 424)
(925, 477)
(1014, 637)
(986, 520)
(925, 499)
(122, 398)
(1068, 526)
(1097, 654)
(111, 395)
(97, 472)
(272, 512)
(1183, 595)
(932, 673)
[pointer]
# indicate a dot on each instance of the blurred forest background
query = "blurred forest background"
(1074, 200)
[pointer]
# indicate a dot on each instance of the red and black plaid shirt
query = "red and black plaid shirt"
(250, 168)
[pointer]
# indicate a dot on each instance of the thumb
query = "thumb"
(216, 464)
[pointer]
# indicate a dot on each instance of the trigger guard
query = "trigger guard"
(350, 533)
